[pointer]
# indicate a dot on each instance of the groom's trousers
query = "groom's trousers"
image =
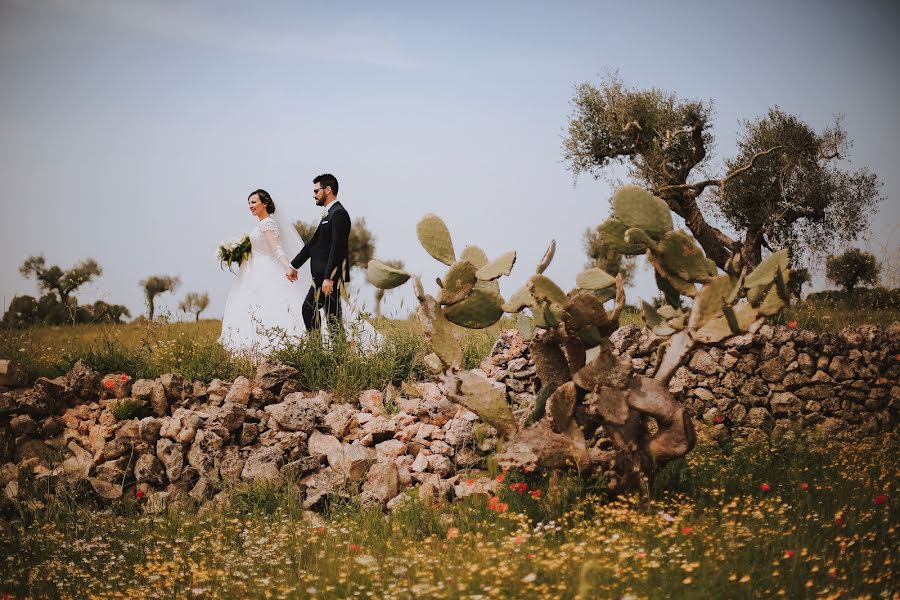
(317, 301)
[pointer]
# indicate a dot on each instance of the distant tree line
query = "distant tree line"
(57, 304)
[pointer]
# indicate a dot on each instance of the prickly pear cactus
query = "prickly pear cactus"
(587, 393)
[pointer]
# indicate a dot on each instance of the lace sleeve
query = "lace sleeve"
(270, 231)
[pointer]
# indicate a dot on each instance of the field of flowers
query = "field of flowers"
(807, 520)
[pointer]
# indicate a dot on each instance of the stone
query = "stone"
(321, 485)
(440, 464)
(23, 425)
(382, 481)
(354, 461)
(36, 403)
(130, 429)
(216, 391)
(105, 489)
(148, 469)
(459, 432)
(806, 364)
(785, 403)
(372, 401)
(203, 490)
(704, 395)
(177, 388)
(11, 374)
(157, 502)
(239, 393)
(420, 463)
(321, 446)
(297, 468)
(298, 413)
(773, 370)
(231, 415)
(738, 413)
(80, 464)
(149, 428)
(760, 418)
(116, 470)
(702, 362)
(380, 429)
(171, 455)
(249, 432)
(83, 380)
(389, 449)
(841, 368)
(271, 374)
(115, 448)
(339, 420)
(263, 463)
(232, 464)
(205, 454)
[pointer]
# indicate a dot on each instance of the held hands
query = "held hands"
(327, 287)
(291, 274)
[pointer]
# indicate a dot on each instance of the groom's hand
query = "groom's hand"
(291, 274)
(327, 287)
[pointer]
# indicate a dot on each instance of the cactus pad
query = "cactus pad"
(481, 308)
(458, 282)
(637, 207)
(385, 277)
(502, 265)
(435, 238)
(594, 279)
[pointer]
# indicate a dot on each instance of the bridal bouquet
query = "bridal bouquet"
(236, 250)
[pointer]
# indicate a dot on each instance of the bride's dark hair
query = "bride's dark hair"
(266, 199)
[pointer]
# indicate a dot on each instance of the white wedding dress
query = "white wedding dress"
(263, 311)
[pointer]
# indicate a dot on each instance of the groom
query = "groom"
(327, 251)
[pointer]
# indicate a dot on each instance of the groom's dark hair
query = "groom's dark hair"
(327, 180)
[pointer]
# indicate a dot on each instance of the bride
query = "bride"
(264, 306)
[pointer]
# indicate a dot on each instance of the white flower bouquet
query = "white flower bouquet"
(234, 251)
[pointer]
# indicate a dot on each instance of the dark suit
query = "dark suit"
(327, 253)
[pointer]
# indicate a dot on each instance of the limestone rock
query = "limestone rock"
(205, 454)
(382, 481)
(240, 391)
(270, 374)
(263, 463)
(172, 457)
(105, 489)
(372, 401)
(148, 469)
(298, 413)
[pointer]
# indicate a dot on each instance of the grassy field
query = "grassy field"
(800, 521)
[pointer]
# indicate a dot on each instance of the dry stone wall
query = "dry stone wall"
(155, 439)
(779, 382)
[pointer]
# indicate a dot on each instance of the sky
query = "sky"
(132, 131)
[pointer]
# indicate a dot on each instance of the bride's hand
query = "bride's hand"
(291, 274)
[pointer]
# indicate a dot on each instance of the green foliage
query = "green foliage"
(797, 196)
(384, 276)
(126, 408)
(396, 265)
(852, 268)
(195, 304)
(54, 280)
(156, 285)
(435, 238)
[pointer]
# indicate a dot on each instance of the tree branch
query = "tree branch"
(697, 188)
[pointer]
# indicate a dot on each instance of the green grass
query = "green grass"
(708, 531)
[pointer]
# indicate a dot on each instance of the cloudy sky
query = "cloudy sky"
(132, 131)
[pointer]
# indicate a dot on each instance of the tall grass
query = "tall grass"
(822, 526)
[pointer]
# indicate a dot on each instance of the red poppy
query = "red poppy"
(765, 487)
(530, 556)
(353, 547)
(719, 419)
(124, 377)
(139, 494)
(500, 477)
(109, 383)
(687, 530)
(789, 554)
(495, 504)
(792, 324)
(880, 499)
(804, 486)
(838, 521)
(470, 482)
(536, 494)
(321, 530)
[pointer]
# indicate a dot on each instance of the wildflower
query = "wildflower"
(838, 520)
(518, 540)
(832, 572)
(536, 494)
(792, 324)
(139, 494)
(789, 554)
(123, 377)
(719, 419)
(109, 383)
(530, 556)
(453, 532)
(353, 547)
(470, 482)
(500, 478)
(687, 530)
(320, 529)
(765, 487)
(880, 499)
(804, 486)
(495, 504)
